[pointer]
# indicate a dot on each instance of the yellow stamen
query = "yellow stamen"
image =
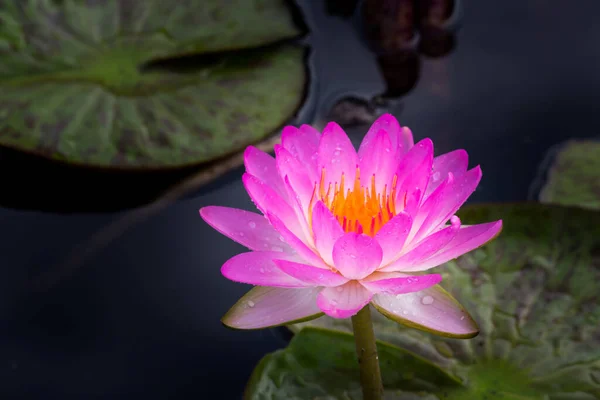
(360, 209)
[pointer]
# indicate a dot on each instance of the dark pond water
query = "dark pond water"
(141, 317)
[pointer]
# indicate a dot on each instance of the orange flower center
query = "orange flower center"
(358, 209)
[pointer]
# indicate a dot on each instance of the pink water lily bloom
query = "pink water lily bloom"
(341, 229)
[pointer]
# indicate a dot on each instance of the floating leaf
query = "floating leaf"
(322, 364)
(534, 292)
(574, 177)
(79, 80)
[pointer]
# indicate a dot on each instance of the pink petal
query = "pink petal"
(262, 166)
(305, 252)
(266, 307)
(310, 275)
(445, 201)
(378, 158)
(267, 199)
(455, 162)
(337, 155)
(395, 283)
(414, 259)
(343, 301)
(356, 255)
(412, 202)
(326, 230)
(303, 144)
(401, 138)
(258, 268)
(387, 123)
(392, 235)
(432, 310)
(422, 212)
(467, 239)
(292, 170)
(405, 139)
(301, 215)
(413, 174)
(247, 228)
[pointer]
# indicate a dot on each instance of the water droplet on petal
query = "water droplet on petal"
(436, 176)
(405, 312)
(353, 256)
(252, 224)
(241, 234)
(250, 303)
(281, 238)
(262, 270)
(427, 300)
(463, 317)
(277, 248)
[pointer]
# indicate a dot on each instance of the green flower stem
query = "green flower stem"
(366, 350)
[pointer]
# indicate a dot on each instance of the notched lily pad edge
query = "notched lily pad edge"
(299, 23)
(293, 120)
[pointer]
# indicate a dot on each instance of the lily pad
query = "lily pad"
(534, 292)
(321, 364)
(79, 81)
(574, 177)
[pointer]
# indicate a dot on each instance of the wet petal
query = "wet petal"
(467, 239)
(310, 275)
(301, 215)
(392, 235)
(405, 139)
(413, 174)
(337, 155)
(326, 230)
(432, 310)
(378, 158)
(247, 228)
(455, 162)
(356, 256)
(305, 252)
(444, 202)
(303, 144)
(343, 301)
(262, 166)
(401, 138)
(428, 206)
(387, 123)
(267, 199)
(396, 283)
(295, 173)
(258, 268)
(265, 307)
(414, 259)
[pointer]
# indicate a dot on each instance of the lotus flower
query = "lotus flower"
(345, 229)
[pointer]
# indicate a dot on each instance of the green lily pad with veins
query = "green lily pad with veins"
(574, 177)
(534, 293)
(322, 364)
(79, 80)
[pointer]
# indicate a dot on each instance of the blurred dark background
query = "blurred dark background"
(507, 81)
